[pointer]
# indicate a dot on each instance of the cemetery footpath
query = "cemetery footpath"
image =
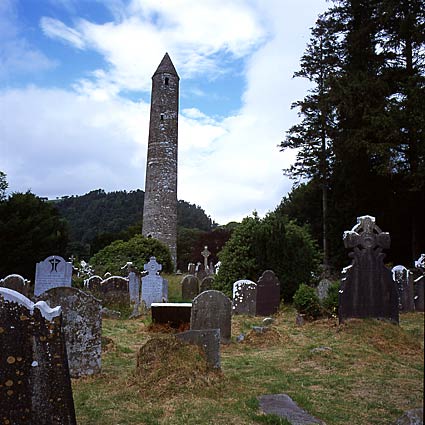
(358, 372)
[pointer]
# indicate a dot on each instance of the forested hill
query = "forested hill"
(98, 212)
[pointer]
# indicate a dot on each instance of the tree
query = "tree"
(31, 230)
(3, 186)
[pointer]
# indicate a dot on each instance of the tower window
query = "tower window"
(166, 81)
(162, 117)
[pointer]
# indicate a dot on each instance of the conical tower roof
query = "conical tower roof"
(166, 66)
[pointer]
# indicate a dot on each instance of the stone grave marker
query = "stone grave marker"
(268, 294)
(212, 310)
(207, 283)
(367, 288)
(82, 326)
(173, 314)
(114, 290)
(190, 287)
(152, 284)
(93, 283)
(323, 288)
(403, 279)
(200, 272)
(419, 293)
(54, 271)
(17, 283)
(36, 386)
(191, 268)
(205, 253)
(134, 287)
(244, 297)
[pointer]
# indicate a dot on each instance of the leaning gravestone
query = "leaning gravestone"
(152, 284)
(367, 287)
(82, 326)
(207, 283)
(17, 283)
(244, 297)
(212, 310)
(35, 384)
(268, 294)
(403, 280)
(190, 287)
(54, 271)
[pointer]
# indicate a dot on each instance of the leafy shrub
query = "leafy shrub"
(307, 302)
(330, 303)
(138, 250)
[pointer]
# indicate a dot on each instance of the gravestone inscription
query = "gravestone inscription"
(36, 386)
(367, 287)
(54, 271)
(268, 294)
(212, 310)
(244, 297)
(82, 326)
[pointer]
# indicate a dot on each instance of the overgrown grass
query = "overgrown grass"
(364, 372)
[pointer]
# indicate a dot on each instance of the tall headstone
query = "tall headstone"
(54, 271)
(190, 287)
(244, 297)
(152, 284)
(82, 326)
(134, 287)
(160, 205)
(403, 279)
(367, 287)
(35, 383)
(17, 283)
(268, 294)
(212, 310)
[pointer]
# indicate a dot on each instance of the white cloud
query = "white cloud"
(56, 29)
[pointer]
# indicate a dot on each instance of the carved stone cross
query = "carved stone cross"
(152, 267)
(205, 253)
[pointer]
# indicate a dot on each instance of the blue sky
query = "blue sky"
(75, 80)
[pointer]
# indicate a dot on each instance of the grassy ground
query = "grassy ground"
(364, 372)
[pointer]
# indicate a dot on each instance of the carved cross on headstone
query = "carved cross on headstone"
(366, 234)
(54, 262)
(152, 267)
(205, 253)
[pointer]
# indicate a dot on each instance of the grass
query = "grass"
(364, 372)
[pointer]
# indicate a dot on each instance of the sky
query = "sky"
(75, 84)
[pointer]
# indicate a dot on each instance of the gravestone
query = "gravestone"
(191, 268)
(212, 310)
(134, 287)
(244, 297)
(17, 283)
(367, 287)
(207, 283)
(35, 383)
(190, 287)
(403, 279)
(205, 253)
(173, 314)
(268, 294)
(208, 340)
(54, 271)
(82, 326)
(152, 284)
(418, 286)
(200, 272)
(323, 289)
(114, 290)
(93, 283)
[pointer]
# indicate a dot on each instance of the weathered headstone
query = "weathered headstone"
(403, 279)
(268, 294)
(418, 286)
(208, 340)
(323, 288)
(134, 287)
(93, 283)
(207, 283)
(35, 383)
(367, 287)
(82, 326)
(54, 271)
(190, 287)
(212, 310)
(114, 290)
(152, 284)
(244, 297)
(17, 283)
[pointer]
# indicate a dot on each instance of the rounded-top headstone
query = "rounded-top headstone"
(207, 283)
(268, 294)
(244, 297)
(190, 287)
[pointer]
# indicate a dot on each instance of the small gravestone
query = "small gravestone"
(17, 283)
(173, 314)
(419, 293)
(201, 272)
(268, 294)
(134, 287)
(35, 383)
(367, 287)
(190, 287)
(208, 340)
(212, 310)
(207, 283)
(82, 326)
(191, 268)
(54, 271)
(403, 280)
(323, 289)
(93, 283)
(152, 284)
(244, 297)
(114, 290)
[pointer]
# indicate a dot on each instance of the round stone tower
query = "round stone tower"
(160, 205)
